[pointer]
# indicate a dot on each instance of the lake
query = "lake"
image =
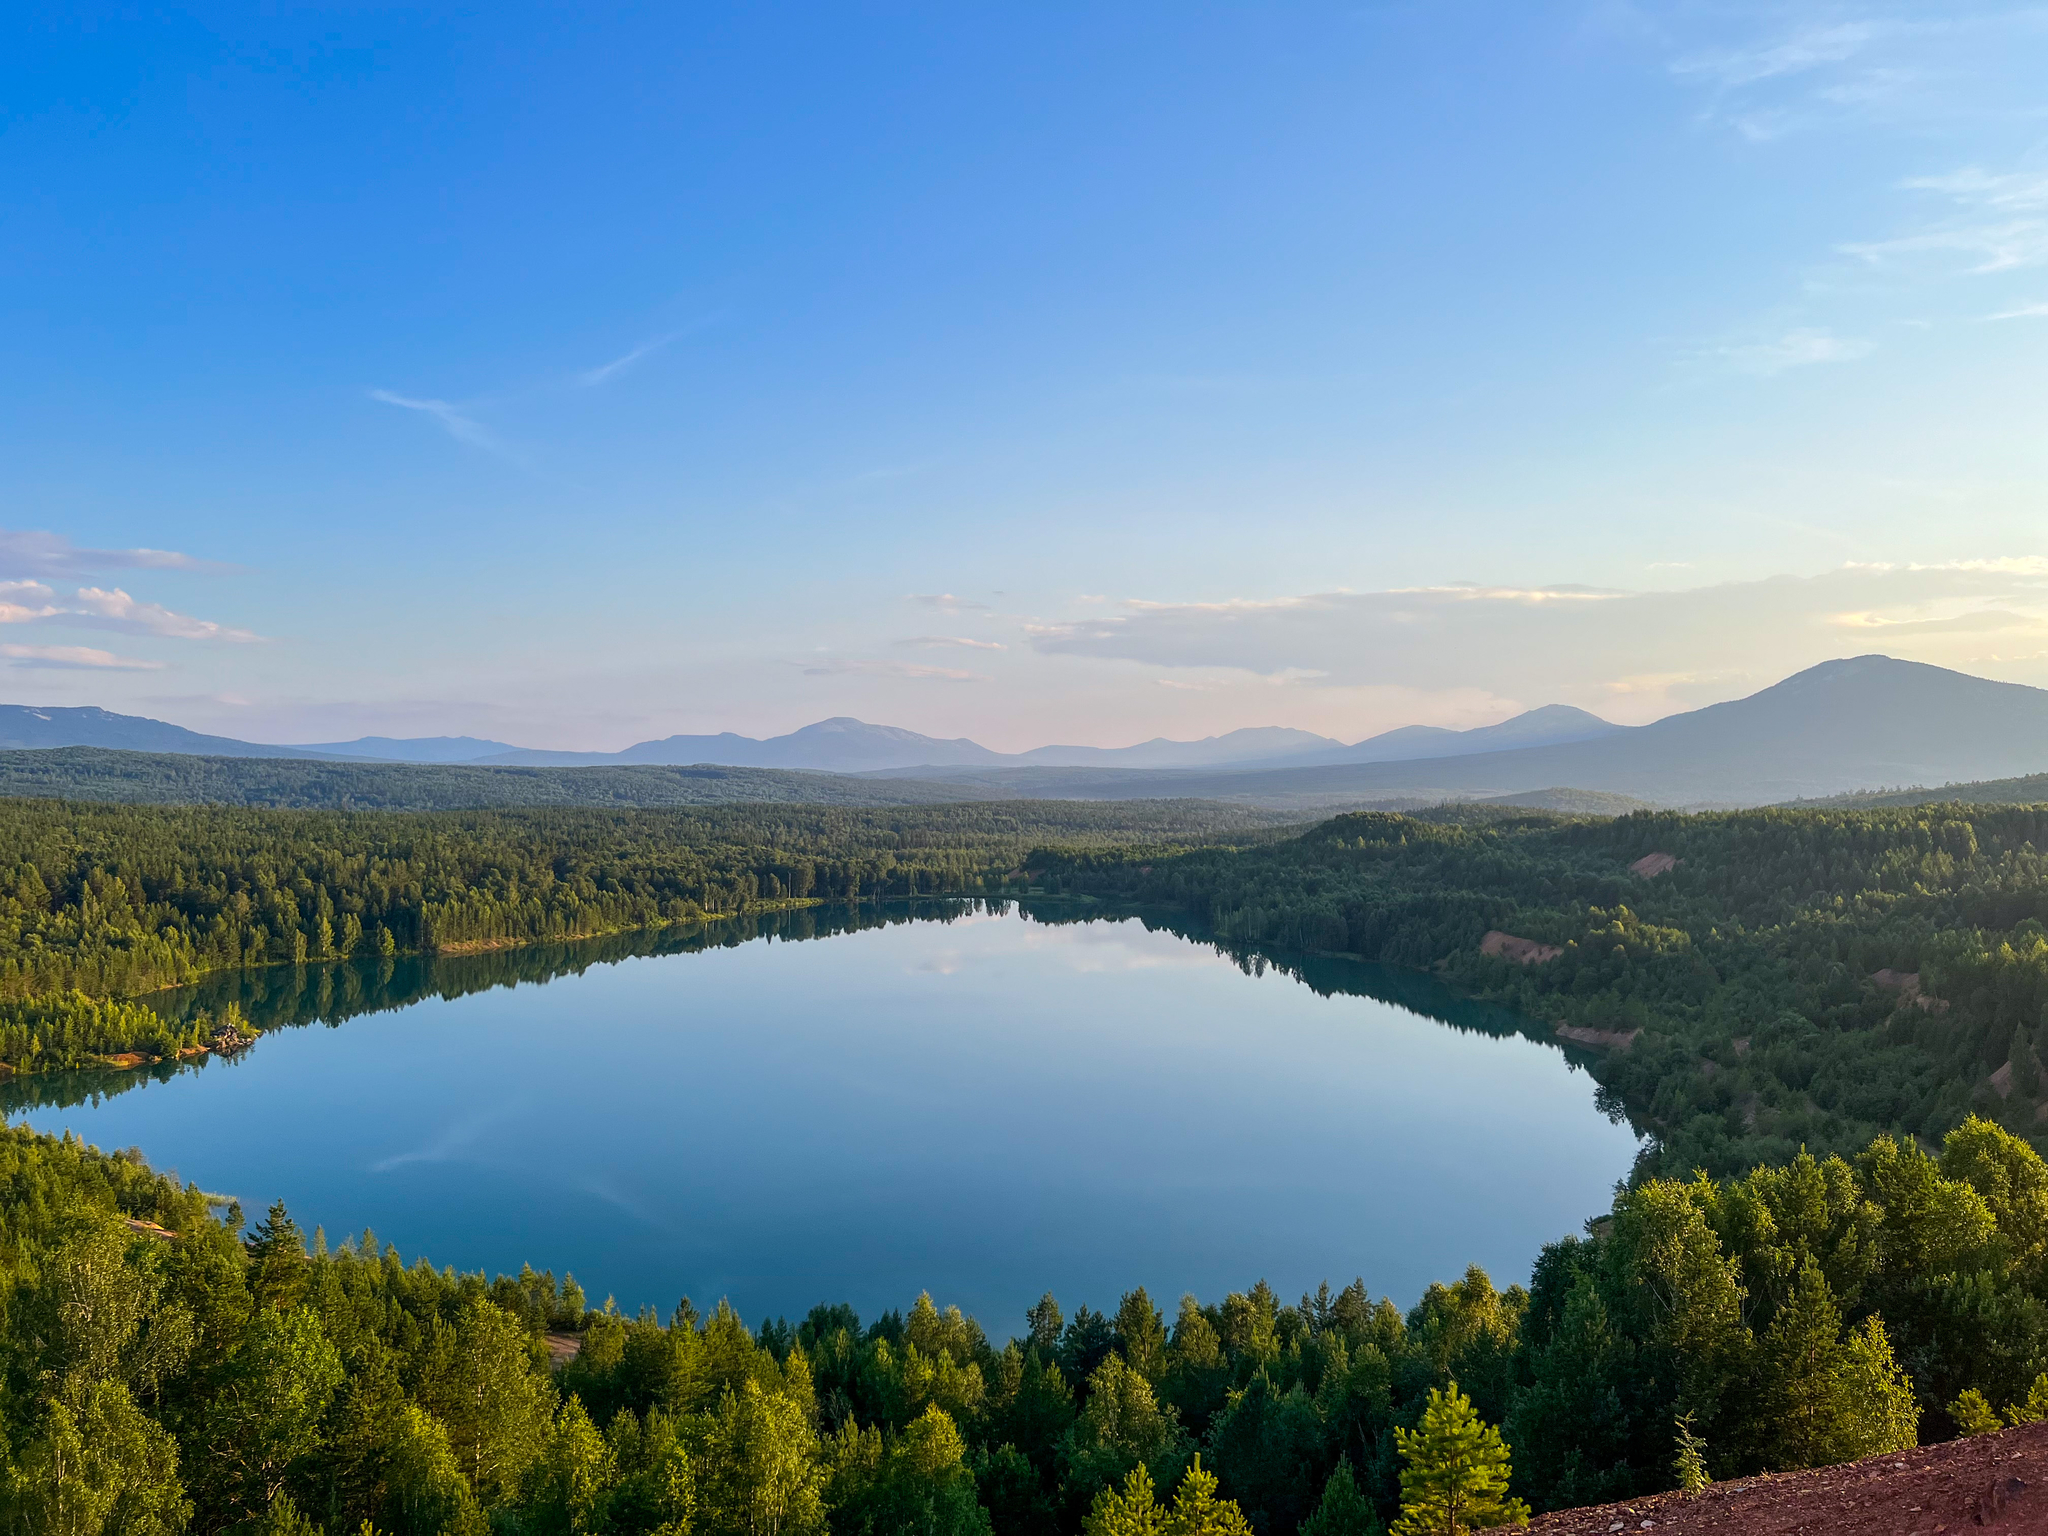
(979, 1101)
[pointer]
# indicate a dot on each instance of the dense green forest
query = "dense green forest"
(2029, 790)
(178, 778)
(101, 903)
(1829, 1287)
(161, 1370)
(1751, 969)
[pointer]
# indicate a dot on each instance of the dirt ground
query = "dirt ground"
(1991, 1483)
(1651, 865)
(1522, 951)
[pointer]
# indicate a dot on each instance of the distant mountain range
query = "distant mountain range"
(1838, 728)
(1832, 729)
(838, 745)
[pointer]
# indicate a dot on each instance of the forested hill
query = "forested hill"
(1733, 1003)
(170, 778)
(2030, 790)
(101, 903)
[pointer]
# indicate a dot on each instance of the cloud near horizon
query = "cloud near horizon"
(1638, 653)
(856, 667)
(34, 552)
(75, 658)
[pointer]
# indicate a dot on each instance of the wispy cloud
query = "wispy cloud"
(961, 641)
(75, 658)
(591, 377)
(38, 552)
(856, 667)
(1801, 348)
(946, 602)
(460, 427)
(2002, 224)
(1702, 642)
(1810, 49)
(115, 609)
(2023, 312)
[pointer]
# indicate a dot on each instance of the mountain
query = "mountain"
(406, 749)
(838, 745)
(1265, 743)
(27, 727)
(1551, 725)
(1837, 727)
(843, 745)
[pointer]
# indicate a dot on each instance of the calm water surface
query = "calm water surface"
(982, 1104)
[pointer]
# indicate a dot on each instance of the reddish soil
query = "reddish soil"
(149, 1229)
(1907, 985)
(1990, 1483)
(124, 1060)
(1619, 1039)
(1521, 951)
(1651, 865)
(562, 1348)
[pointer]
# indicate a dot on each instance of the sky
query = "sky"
(572, 376)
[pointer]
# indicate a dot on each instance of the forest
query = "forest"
(164, 1369)
(102, 903)
(1799, 979)
(1835, 1243)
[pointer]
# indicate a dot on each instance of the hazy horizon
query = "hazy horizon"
(1034, 377)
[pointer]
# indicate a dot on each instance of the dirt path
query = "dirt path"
(1995, 1484)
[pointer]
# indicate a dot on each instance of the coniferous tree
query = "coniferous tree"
(2026, 1063)
(1456, 1477)
(277, 1260)
(1344, 1511)
(1972, 1414)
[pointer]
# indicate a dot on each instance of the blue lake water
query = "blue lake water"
(979, 1103)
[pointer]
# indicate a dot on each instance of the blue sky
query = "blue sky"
(575, 376)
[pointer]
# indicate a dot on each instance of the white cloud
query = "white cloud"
(1801, 348)
(2022, 312)
(75, 657)
(38, 552)
(115, 609)
(859, 668)
(460, 427)
(1973, 186)
(618, 365)
(961, 641)
(1804, 51)
(946, 602)
(1653, 650)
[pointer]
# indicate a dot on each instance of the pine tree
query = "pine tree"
(1135, 1510)
(277, 1260)
(1198, 1512)
(2026, 1064)
(1973, 1414)
(2035, 1408)
(1456, 1479)
(1344, 1510)
(1810, 1412)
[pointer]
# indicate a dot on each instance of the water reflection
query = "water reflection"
(286, 996)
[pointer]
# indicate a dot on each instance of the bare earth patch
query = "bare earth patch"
(1907, 985)
(1619, 1039)
(1507, 946)
(1996, 1484)
(1651, 865)
(562, 1348)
